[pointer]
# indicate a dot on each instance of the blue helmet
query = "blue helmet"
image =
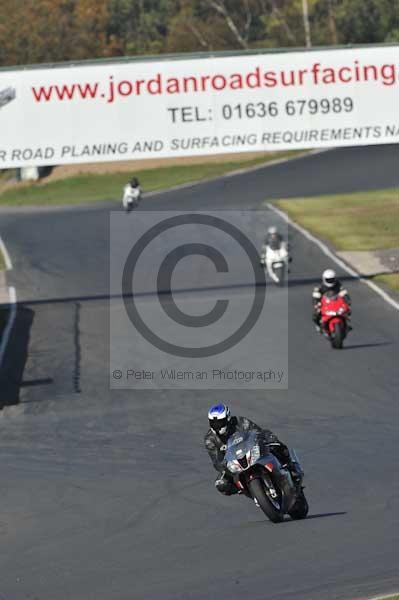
(219, 417)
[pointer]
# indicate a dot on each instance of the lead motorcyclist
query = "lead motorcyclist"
(332, 285)
(222, 425)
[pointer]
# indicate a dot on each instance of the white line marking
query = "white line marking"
(13, 305)
(7, 258)
(335, 258)
(10, 323)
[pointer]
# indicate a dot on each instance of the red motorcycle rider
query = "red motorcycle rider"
(330, 284)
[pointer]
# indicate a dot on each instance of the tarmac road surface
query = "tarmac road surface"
(108, 495)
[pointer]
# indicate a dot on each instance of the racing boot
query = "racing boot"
(295, 468)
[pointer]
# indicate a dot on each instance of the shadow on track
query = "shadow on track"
(149, 294)
(292, 282)
(168, 292)
(16, 355)
(373, 345)
(317, 516)
(288, 520)
(324, 515)
(36, 382)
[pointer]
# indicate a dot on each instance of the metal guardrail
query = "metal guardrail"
(191, 55)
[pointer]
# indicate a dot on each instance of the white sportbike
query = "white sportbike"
(276, 262)
(131, 197)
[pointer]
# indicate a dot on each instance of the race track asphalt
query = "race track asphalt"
(108, 494)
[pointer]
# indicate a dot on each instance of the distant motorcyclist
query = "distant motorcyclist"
(274, 240)
(330, 285)
(222, 425)
(131, 193)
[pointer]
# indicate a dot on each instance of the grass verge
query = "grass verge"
(392, 281)
(95, 188)
(360, 221)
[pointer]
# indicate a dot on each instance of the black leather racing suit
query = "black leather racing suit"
(216, 448)
(319, 291)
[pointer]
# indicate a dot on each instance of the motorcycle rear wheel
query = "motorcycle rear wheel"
(257, 490)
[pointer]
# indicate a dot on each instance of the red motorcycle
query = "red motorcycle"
(334, 312)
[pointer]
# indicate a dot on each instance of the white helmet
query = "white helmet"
(272, 230)
(219, 418)
(329, 278)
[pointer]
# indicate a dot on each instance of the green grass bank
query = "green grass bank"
(359, 221)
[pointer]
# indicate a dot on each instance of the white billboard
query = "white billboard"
(129, 110)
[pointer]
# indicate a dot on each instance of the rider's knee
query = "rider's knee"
(224, 487)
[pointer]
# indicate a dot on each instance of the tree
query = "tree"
(138, 26)
(240, 33)
(90, 20)
(289, 22)
(216, 25)
(38, 31)
(306, 24)
(366, 21)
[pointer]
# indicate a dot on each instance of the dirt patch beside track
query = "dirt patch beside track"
(131, 166)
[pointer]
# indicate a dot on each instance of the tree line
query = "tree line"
(45, 31)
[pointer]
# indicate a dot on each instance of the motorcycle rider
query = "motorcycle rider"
(273, 238)
(330, 284)
(134, 183)
(221, 426)
(131, 193)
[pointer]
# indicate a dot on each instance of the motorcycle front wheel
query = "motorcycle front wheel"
(280, 273)
(337, 337)
(271, 508)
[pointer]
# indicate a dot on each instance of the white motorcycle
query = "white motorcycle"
(131, 197)
(275, 262)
